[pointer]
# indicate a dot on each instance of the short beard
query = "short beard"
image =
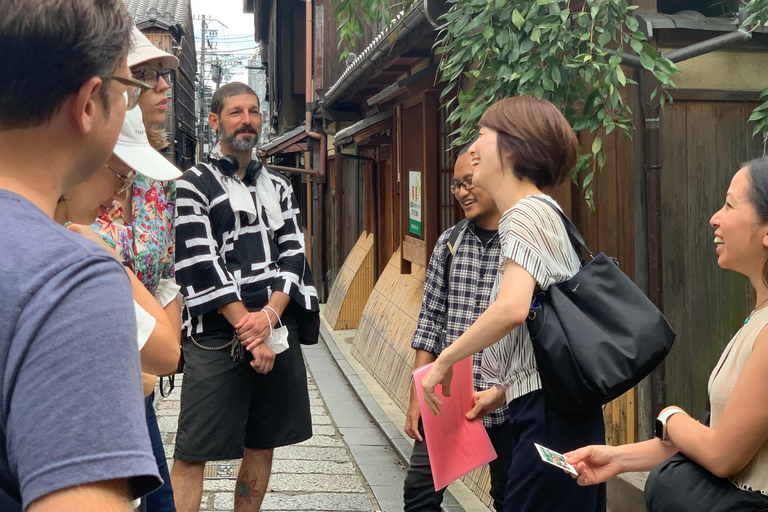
(234, 142)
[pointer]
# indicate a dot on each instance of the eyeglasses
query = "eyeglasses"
(465, 184)
(152, 77)
(127, 180)
(134, 90)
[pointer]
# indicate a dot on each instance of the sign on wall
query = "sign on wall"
(415, 195)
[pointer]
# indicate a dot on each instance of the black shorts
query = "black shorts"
(227, 406)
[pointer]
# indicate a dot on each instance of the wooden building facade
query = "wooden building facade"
(389, 164)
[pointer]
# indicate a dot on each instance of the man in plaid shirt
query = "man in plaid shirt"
(472, 274)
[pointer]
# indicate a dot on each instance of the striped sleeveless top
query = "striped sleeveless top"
(533, 236)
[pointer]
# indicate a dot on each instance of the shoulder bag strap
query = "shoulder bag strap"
(457, 233)
(454, 239)
(577, 241)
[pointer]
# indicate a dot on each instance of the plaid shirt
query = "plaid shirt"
(472, 276)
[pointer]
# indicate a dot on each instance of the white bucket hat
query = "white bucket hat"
(143, 50)
(134, 150)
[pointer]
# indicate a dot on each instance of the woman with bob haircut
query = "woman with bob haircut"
(721, 466)
(525, 146)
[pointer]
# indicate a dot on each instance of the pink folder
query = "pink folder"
(455, 444)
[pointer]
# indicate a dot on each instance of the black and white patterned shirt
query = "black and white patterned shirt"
(533, 236)
(223, 257)
(473, 273)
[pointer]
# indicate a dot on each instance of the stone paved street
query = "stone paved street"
(317, 475)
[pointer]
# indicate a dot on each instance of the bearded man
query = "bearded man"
(241, 265)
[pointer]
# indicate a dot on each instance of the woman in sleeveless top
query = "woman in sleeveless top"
(722, 466)
(524, 146)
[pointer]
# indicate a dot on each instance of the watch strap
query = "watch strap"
(663, 418)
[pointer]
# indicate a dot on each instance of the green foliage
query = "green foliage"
(545, 49)
(352, 13)
(757, 16)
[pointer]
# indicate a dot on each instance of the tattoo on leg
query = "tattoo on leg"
(245, 490)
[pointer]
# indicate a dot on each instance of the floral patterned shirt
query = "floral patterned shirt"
(149, 241)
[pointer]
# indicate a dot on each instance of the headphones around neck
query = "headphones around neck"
(228, 165)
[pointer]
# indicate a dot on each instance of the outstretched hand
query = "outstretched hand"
(594, 464)
(437, 374)
(486, 401)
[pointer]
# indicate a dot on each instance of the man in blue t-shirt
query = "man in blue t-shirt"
(72, 428)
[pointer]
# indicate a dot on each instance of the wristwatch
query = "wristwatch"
(660, 429)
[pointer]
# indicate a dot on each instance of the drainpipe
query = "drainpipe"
(652, 171)
(318, 179)
(317, 176)
(710, 45)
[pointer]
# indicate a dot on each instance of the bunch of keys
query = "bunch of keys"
(237, 352)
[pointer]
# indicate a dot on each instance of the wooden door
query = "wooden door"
(389, 232)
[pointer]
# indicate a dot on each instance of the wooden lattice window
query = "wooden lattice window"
(450, 211)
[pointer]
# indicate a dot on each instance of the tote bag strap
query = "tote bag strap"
(577, 241)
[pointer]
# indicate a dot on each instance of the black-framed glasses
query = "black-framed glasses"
(127, 180)
(465, 184)
(152, 77)
(134, 90)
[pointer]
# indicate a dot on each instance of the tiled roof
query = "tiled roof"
(345, 136)
(290, 134)
(172, 12)
(415, 15)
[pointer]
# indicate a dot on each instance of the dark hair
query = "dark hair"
(540, 143)
(466, 147)
(758, 195)
(49, 48)
(227, 91)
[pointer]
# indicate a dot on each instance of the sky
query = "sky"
(234, 32)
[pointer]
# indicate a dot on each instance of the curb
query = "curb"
(391, 432)
(400, 446)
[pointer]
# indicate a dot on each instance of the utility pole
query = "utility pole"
(201, 126)
(216, 71)
(207, 39)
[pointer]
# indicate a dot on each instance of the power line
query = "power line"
(245, 34)
(225, 40)
(226, 50)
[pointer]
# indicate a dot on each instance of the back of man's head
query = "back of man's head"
(227, 91)
(49, 48)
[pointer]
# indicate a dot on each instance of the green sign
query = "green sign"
(414, 210)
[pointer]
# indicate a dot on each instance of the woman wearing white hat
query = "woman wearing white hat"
(158, 338)
(154, 67)
(157, 312)
(141, 221)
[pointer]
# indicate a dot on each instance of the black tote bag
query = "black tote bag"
(596, 335)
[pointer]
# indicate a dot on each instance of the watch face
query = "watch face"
(659, 430)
